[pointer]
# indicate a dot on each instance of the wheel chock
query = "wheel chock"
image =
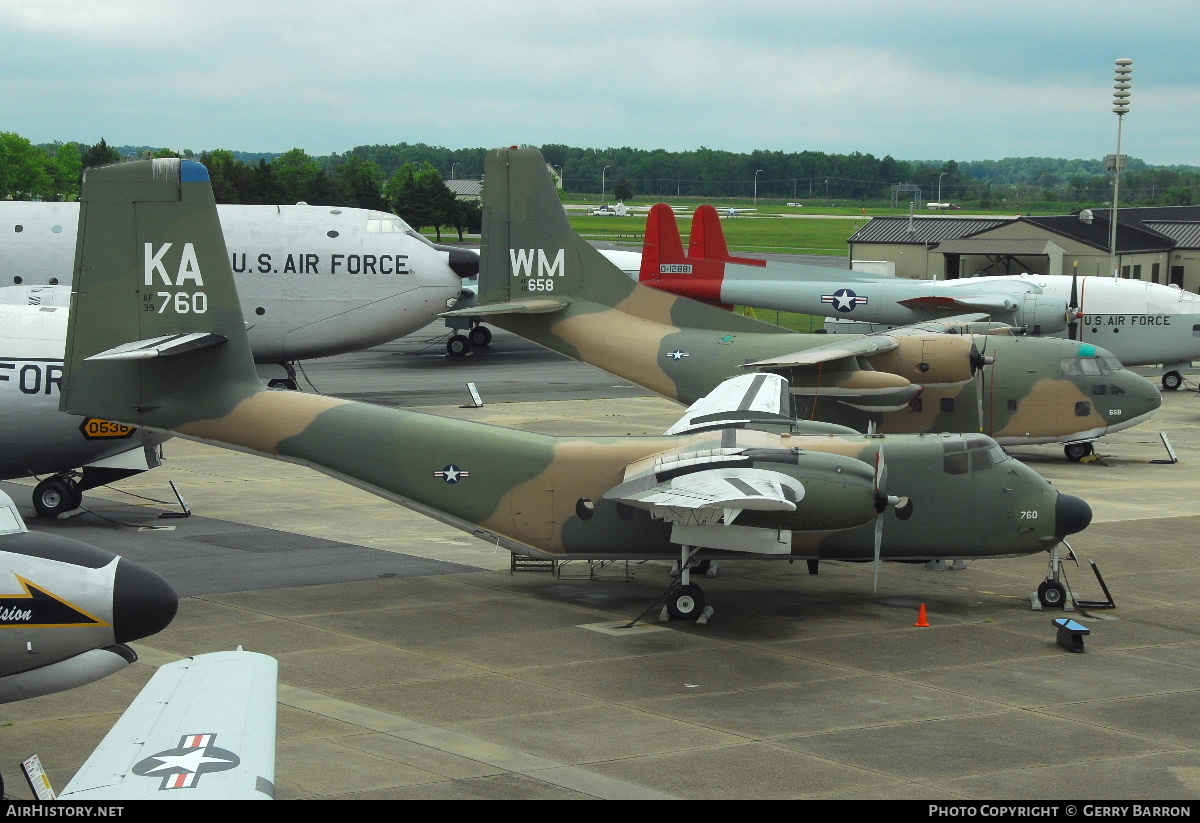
(664, 616)
(1035, 603)
(1070, 634)
(702, 620)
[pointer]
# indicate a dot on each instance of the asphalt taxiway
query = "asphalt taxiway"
(413, 664)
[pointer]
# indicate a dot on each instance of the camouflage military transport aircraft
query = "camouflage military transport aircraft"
(156, 339)
(541, 280)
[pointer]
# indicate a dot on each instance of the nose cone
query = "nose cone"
(1138, 395)
(143, 602)
(1071, 515)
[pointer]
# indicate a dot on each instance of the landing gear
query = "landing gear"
(1171, 381)
(1077, 451)
(289, 383)
(56, 495)
(458, 346)
(686, 602)
(480, 336)
(1052, 594)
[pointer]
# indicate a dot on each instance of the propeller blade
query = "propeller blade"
(878, 545)
(1073, 309)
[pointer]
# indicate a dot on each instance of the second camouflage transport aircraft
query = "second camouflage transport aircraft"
(736, 478)
(541, 280)
(1141, 323)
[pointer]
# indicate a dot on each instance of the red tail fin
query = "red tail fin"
(708, 239)
(662, 244)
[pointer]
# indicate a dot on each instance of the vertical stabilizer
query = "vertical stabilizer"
(707, 241)
(153, 285)
(662, 244)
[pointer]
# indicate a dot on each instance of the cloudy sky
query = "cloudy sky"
(930, 80)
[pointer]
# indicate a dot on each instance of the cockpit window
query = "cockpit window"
(387, 225)
(971, 452)
(1089, 366)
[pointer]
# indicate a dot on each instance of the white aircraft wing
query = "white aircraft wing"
(738, 400)
(705, 498)
(203, 728)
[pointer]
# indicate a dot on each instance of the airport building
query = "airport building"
(1156, 244)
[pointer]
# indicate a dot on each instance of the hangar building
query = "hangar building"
(1157, 244)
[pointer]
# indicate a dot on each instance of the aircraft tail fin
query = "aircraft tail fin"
(707, 241)
(662, 244)
(156, 334)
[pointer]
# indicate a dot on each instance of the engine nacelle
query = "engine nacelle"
(1041, 314)
(931, 360)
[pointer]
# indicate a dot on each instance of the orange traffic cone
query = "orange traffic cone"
(922, 620)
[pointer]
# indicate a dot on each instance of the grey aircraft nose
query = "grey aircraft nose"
(143, 602)
(1071, 515)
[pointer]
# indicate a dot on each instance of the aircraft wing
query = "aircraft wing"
(944, 325)
(739, 400)
(704, 498)
(838, 350)
(203, 728)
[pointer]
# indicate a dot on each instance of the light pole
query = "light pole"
(940, 176)
(453, 166)
(1123, 78)
(603, 185)
(756, 186)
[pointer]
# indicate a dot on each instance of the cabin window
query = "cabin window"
(1012, 405)
(585, 508)
(915, 405)
(1099, 390)
(1083, 409)
(947, 404)
(18, 228)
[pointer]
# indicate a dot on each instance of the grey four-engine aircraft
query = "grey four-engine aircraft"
(737, 477)
(1140, 323)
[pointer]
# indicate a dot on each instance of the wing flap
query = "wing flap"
(712, 496)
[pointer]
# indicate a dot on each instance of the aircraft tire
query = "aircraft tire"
(480, 336)
(1077, 451)
(1052, 594)
(686, 602)
(458, 346)
(56, 495)
(1171, 381)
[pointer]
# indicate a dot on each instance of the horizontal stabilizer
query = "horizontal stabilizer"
(739, 399)
(536, 305)
(167, 346)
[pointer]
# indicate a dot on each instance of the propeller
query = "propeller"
(882, 501)
(1074, 309)
(981, 383)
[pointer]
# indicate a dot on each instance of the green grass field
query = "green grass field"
(743, 233)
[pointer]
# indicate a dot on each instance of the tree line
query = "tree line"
(371, 177)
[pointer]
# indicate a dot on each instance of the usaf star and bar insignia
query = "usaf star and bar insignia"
(452, 473)
(183, 766)
(844, 300)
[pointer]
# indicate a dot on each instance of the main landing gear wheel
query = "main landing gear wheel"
(1052, 594)
(1077, 451)
(458, 346)
(480, 336)
(283, 383)
(1172, 380)
(686, 602)
(56, 495)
